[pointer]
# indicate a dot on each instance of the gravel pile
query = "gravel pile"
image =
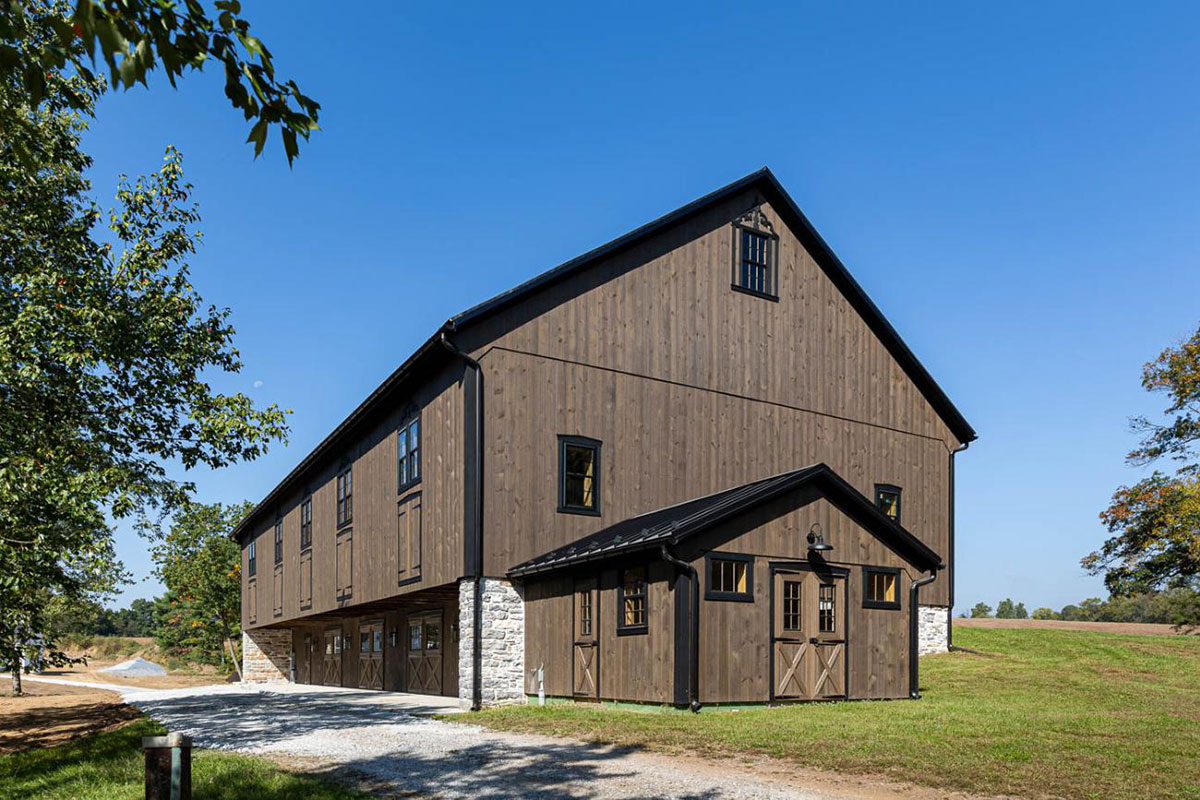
(433, 758)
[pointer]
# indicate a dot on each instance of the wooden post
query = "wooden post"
(168, 767)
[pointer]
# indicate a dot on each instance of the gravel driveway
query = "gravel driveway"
(428, 757)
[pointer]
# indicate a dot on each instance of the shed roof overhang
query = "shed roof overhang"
(675, 524)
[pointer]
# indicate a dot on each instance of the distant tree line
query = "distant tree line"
(1177, 607)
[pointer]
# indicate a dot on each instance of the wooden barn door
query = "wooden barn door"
(370, 655)
(808, 647)
(587, 640)
(331, 673)
(306, 659)
(425, 653)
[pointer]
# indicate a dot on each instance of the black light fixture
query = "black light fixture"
(816, 540)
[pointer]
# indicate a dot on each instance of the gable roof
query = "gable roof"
(764, 181)
(677, 523)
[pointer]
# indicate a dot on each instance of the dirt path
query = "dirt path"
(50, 714)
(396, 752)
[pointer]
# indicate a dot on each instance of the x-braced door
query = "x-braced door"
(808, 647)
(425, 653)
(331, 674)
(370, 655)
(587, 640)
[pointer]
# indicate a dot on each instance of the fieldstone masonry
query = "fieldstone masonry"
(503, 642)
(933, 629)
(266, 655)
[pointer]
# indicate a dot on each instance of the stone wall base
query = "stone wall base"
(502, 646)
(933, 629)
(266, 655)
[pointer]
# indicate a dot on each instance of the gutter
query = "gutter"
(473, 514)
(950, 555)
(914, 590)
(694, 633)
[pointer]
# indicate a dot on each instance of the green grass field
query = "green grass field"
(1038, 713)
(109, 766)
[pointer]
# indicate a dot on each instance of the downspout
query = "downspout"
(950, 555)
(914, 590)
(476, 534)
(694, 633)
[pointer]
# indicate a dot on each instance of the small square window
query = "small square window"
(887, 498)
(730, 577)
(631, 601)
(881, 588)
(578, 475)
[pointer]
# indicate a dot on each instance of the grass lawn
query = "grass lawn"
(1038, 713)
(109, 766)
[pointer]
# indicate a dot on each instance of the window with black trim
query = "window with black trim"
(631, 601)
(730, 577)
(791, 605)
(278, 541)
(306, 523)
(887, 498)
(345, 496)
(756, 256)
(408, 453)
(578, 475)
(252, 558)
(881, 587)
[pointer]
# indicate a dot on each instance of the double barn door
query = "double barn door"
(808, 639)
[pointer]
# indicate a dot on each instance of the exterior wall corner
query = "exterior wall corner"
(502, 645)
(267, 655)
(933, 629)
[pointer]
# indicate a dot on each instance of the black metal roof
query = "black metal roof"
(763, 180)
(673, 524)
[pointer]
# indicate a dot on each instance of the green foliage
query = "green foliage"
(1176, 606)
(981, 610)
(106, 351)
(1045, 613)
(110, 766)
(1007, 609)
(45, 46)
(1156, 522)
(198, 562)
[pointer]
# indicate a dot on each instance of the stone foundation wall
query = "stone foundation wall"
(933, 629)
(503, 643)
(266, 655)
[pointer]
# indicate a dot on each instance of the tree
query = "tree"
(106, 351)
(45, 46)
(201, 567)
(1005, 609)
(1044, 613)
(981, 610)
(1156, 522)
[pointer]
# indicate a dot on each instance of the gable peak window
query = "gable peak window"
(278, 541)
(306, 523)
(887, 498)
(408, 453)
(756, 255)
(578, 475)
(345, 495)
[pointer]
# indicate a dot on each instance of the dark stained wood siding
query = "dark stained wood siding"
(695, 388)
(735, 641)
(374, 522)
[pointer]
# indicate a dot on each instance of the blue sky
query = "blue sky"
(1016, 186)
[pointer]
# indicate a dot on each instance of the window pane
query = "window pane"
(364, 642)
(414, 636)
(826, 609)
(433, 636)
(791, 605)
(579, 479)
(377, 640)
(739, 577)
